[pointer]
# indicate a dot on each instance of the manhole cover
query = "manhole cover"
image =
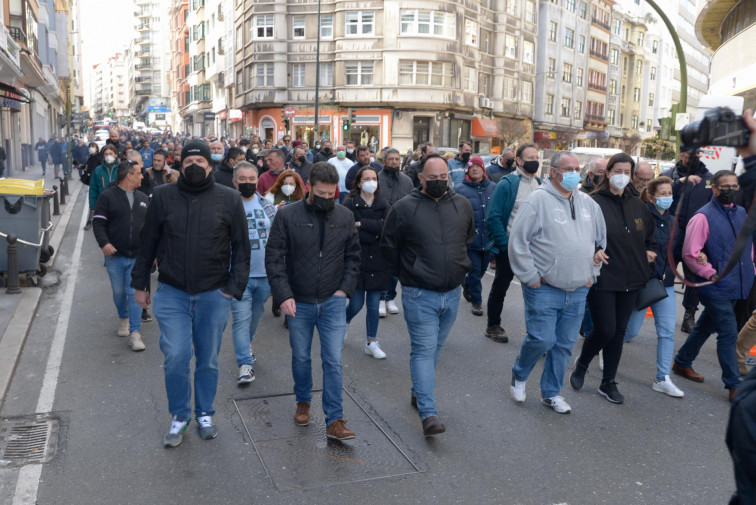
(296, 457)
(27, 440)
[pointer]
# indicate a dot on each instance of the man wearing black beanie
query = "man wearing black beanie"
(197, 231)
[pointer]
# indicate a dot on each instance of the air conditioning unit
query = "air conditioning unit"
(486, 103)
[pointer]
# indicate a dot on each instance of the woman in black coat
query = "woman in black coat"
(370, 211)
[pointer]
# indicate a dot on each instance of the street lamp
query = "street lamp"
(317, 76)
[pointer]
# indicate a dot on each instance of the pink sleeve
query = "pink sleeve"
(696, 235)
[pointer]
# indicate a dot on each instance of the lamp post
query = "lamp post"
(317, 76)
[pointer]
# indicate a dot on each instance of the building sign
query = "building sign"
(222, 115)
(158, 108)
(541, 135)
(235, 115)
(209, 116)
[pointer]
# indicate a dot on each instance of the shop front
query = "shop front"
(486, 136)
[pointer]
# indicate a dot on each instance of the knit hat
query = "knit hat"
(196, 148)
(476, 160)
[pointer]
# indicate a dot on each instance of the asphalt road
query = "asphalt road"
(111, 402)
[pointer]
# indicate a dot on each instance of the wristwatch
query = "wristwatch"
(714, 277)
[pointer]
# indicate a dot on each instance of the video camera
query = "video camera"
(718, 127)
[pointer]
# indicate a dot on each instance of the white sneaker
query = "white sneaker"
(382, 309)
(123, 327)
(246, 374)
(558, 404)
(135, 341)
(667, 387)
(518, 390)
(601, 360)
(374, 350)
(392, 308)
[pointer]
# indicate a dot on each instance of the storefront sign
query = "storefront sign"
(541, 135)
(235, 115)
(209, 116)
(222, 115)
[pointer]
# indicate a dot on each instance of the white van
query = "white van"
(139, 126)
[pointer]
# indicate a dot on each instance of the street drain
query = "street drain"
(27, 440)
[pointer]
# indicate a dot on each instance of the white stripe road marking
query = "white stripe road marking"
(29, 476)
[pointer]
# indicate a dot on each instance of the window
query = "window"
(569, 5)
(512, 7)
(528, 52)
(551, 71)
(640, 39)
(526, 91)
(636, 95)
(634, 122)
(610, 117)
(264, 75)
(652, 74)
(425, 73)
(263, 27)
(583, 12)
(326, 26)
(578, 110)
(359, 23)
(567, 73)
(240, 80)
(530, 11)
(579, 77)
(471, 33)
(569, 38)
(638, 67)
(422, 22)
(470, 80)
(650, 99)
(359, 73)
(326, 73)
(612, 86)
(617, 27)
(581, 44)
(552, 31)
(298, 27)
(510, 89)
(566, 107)
(298, 76)
(655, 46)
(239, 40)
(550, 104)
(510, 46)
(614, 56)
(486, 41)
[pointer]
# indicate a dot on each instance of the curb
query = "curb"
(13, 339)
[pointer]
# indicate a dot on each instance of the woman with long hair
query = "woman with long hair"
(370, 211)
(287, 189)
(630, 248)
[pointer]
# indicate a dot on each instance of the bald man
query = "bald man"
(217, 152)
(644, 173)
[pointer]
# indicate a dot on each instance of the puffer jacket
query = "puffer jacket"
(479, 194)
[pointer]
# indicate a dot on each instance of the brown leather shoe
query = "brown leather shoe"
(337, 430)
(733, 392)
(302, 417)
(687, 372)
(433, 426)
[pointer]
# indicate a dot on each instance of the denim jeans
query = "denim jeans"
(718, 317)
(665, 318)
(479, 261)
(430, 316)
(390, 293)
(246, 316)
(355, 305)
(587, 321)
(190, 321)
(552, 318)
(119, 271)
(330, 319)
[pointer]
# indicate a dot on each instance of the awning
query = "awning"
(14, 93)
(485, 128)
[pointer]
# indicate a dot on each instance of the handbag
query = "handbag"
(652, 292)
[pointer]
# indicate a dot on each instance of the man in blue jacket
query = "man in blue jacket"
(510, 192)
(478, 189)
(458, 164)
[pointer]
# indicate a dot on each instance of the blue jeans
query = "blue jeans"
(390, 293)
(119, 271)
(246, 316)
(430, 316)
(355, 305)
(552, 318)
(665, 318)
(479, 261)
(587, 321)
(190, 321)
(330, 319)
(718, 317)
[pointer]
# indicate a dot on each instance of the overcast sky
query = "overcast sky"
(106, 28)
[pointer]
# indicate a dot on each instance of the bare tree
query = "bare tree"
(513, 132)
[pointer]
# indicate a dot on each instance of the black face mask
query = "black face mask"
(327, 150)
(248, 189)
(436, 188)
(391, 169)
(465, 157)
(302, 159)
(321, 204)
(693, 163)
(530, 167)
(727, 196)
(194, 175)
(509, 162)
(596, 179)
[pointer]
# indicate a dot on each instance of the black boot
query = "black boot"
(577, 377)
(689, 320)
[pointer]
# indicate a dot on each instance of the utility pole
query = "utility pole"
(69, 92)
(317, 79)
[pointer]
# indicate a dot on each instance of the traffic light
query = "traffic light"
(352, 116)
(346, 124)
(286, 124)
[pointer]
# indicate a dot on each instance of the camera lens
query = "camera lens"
(690, 133)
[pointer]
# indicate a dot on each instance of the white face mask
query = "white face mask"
(92, 150)
(369, 187)
(255, 151)
(244, 148)
(287, 189)
(350, 151)
(619, 181)
(372, 159)
(110, 159)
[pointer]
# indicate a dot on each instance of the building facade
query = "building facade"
(147, 60)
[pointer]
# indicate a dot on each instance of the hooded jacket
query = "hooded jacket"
(479, 194)
(102, 177)
(554, 238)
(225, 175)
(695, 196)
(425, 241)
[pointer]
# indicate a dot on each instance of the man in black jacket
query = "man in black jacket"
(425, 241)
(197, 230)
(325, 153)
(363, 160)
(299, 163)
(117, 222)
(313, 261)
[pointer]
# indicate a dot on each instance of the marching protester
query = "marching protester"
(551, 250)
(161, 173)
(370, 211)
(42, 154)
(412, 170)
(225, 173)
(630, 247)
(363, 160)
(275, 161)
(342, 164)
(643, 174)
(478, 190)
(102, 177)
(425, 241)
(458, 164)
(197, 231)
(313, 260)
(596, 170)
(501, 166)
(299, 162)
(247, 312)
(287, 189)
(118, 219)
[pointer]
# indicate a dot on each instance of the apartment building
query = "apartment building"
(220, 67)
(596, 105)
(147, 61)
(179, 61)
(196, 114)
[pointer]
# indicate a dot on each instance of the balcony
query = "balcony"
(597, 87)
(593, 118)
(17, 34)
(599, 23)
(144, 27)
(600, 56)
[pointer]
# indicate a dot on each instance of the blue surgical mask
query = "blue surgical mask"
(663, 202)
(570, 180)
(217, 156)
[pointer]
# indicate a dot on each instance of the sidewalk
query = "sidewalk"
(17, 311)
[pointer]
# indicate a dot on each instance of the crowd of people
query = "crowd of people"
(227, 224)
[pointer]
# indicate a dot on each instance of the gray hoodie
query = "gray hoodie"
(555, 238)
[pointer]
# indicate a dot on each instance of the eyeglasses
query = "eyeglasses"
(645, 180)
(729, 186)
